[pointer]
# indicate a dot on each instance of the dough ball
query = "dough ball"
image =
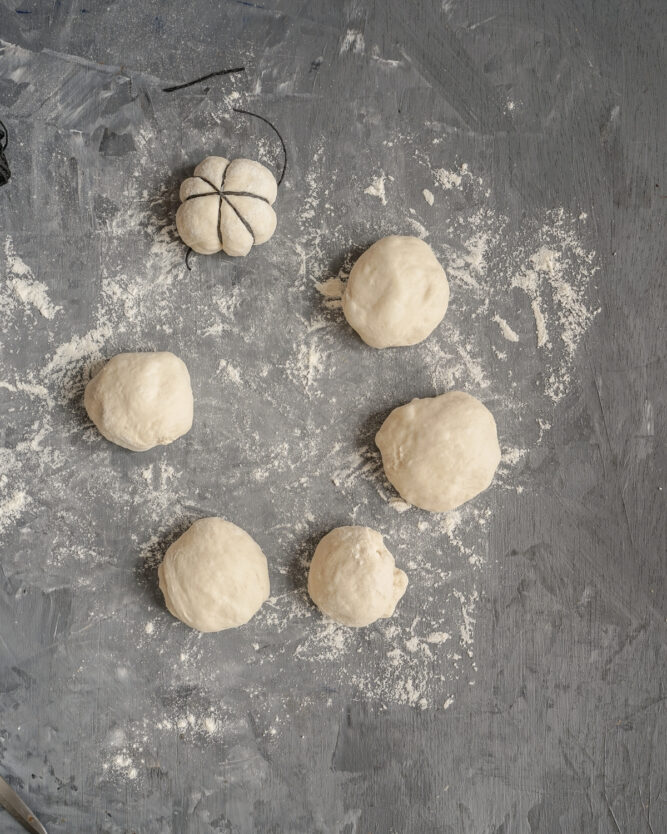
(214, 576)
(441, 451)
(397, 293)
(227, 205)
(141, 400)
(352, 577)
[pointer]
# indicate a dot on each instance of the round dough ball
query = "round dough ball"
(227, 205)
(141, 400)
(441, 451)
(352, 577)
(214, 576)
(397, 293)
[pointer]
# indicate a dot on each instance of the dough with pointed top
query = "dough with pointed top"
(353, 578)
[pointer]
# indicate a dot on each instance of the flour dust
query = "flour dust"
(287, 404)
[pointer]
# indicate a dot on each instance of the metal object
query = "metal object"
(13, 803)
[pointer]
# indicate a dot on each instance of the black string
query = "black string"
(222, 188)
(222, 195)
(238, 214)
(275, 130)
(5, 173)
(203, 78)
(246, 194)
(187, 255)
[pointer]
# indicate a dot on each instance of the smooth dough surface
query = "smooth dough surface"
(214, 576)
(227, 205)
(141, 400)
(353, 578)
(397, 292)
(440, 452)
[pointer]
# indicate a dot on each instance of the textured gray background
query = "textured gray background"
(565, 727)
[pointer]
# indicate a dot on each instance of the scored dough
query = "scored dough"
(141, 400)
(353, 578)
(397, 292)
(214, 576)
(440, 451)
(227, 205)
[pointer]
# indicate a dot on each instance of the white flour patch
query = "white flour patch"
(447, 179)
(420, 230)
(79, 347)
(353, 42)
(377, 188)
(71, 358)
(438, 637)
(308, 366)
(428, 196)
(505, 329)
(331, 288)
(15, 264)
(230, 372)
(12, 507)
(34, 293)
(26, 288)
(540, 324)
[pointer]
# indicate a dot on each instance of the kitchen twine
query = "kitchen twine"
(236, 110)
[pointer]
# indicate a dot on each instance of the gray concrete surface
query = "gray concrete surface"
(543, 711)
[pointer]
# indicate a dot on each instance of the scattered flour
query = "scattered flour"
(28, 290)
(447, 179)
(377, 188)
(496, 271)
(12, 507)
(332, 289)
(35, 293)
(418, 228)
(540, 324)
(229, 371)
(353, 42)
(505, 329)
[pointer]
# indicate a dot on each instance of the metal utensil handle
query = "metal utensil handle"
(13, 803)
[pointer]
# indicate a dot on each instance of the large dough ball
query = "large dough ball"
(352, 577)
(397, 292)
(214, 576)
(441, 451)
(227, 205)
(141, 400)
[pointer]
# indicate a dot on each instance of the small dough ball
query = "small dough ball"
(440, 452)
(214, 576)
(397, 293)
(141, 400)
(352, 577)
(227, 205)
